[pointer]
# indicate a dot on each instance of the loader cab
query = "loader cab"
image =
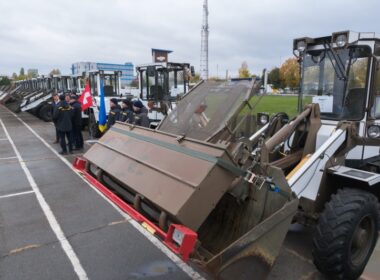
(47, 81)
(163, 81)
(66, 82)
(110, 80)
(30, 85)
(161, 85)
(336, 73)
(34, 84)
(78, 83)
(57, 83)
(40, 83)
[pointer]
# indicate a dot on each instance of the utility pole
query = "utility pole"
(204, 42)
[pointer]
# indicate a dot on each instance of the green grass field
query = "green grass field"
(273, 104)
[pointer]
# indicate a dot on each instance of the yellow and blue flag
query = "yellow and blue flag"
(102, 110)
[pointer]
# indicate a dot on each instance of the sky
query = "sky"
(47, 34)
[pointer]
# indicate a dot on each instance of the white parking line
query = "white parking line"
(6, 158)
(3, 139)
(15, 194)
(182, 265)
(66, 246)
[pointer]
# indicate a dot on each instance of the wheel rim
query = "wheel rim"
(362, 240)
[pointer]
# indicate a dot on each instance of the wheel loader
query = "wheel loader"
(161, 84)
(237, 181)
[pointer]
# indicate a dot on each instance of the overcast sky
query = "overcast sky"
(48, 34)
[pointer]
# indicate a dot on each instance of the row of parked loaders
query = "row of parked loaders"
(226, 182)
(220, 183)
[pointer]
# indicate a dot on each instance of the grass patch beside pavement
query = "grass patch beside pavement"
(277, 103)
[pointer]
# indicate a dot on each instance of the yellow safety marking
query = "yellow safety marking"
(299, 165)
(148, 228)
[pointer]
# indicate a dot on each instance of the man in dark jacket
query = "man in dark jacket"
(141, 114)
(55, 105)
(114, 113)
(63, 117)
(76, 133)
(126, 111)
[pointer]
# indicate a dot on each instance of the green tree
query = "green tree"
(213, 78)
(14, 76)
(196, 78)
(4, 81)
(290, 73)
(22, 75)
(274, 78)
(55, 72)
(32, 74)
(244, 71)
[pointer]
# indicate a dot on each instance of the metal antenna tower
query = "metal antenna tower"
(204, 42)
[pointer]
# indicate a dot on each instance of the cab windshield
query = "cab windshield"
(206, 109)
(337, 81)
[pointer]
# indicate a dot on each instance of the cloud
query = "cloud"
(49, 34)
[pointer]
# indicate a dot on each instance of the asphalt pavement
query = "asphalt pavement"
(53, 225)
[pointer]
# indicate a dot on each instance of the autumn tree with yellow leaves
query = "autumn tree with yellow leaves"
(290, 73)
(244, 71)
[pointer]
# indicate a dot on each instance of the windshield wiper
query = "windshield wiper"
(339, 67)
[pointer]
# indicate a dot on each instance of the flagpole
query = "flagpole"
(89, 124)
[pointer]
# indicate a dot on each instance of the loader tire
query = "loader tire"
(94, 131)
(45, 113)
(93, 128)
(346, 234)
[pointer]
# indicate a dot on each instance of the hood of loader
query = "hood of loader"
(183, 178)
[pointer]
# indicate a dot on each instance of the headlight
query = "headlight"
(262, 118)
(301, 46)
(341, 40)
(373, 131)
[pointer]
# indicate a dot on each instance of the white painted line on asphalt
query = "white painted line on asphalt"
(185, 268)
(66, 246)
(15, 194)
(5, 158)
(3, 139)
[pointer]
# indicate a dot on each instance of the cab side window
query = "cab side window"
(375, 110)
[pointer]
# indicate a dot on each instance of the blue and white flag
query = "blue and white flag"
(102, 110)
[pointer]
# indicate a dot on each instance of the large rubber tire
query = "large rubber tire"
(346, 234)
(35, 111)
(46, 113)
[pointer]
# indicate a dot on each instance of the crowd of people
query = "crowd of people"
(130, 112)
(67, 118)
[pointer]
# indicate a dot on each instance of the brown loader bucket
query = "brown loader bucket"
(204, 182)
(183, 180)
